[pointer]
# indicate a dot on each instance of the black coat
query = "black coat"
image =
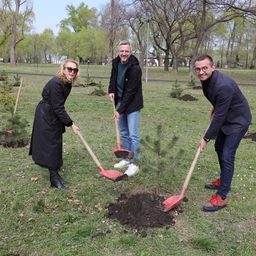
(231, 109)
(49, 124)
(132, 99)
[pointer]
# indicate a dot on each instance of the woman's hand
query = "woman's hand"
(75, 128)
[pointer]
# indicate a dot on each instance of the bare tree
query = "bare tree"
(5, 24)
(20, 18)
(170, 28)
(136, 20)
(113, 22)
(209, 13)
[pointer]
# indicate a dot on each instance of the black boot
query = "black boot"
(55, 179)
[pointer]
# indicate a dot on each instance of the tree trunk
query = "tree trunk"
(253, 62)
(199, 38)
(14, 33)
(111, 34)
(175, 64)
(166, 61)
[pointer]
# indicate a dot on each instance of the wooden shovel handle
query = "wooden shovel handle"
(18, 96)
(191, 169)
(89, 149)
(116, 124)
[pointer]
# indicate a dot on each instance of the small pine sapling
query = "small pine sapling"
(14, 133)
(157, 160)
(98, 91)
(192, 82)
(7, 99)
(176, 90)
(16, 79)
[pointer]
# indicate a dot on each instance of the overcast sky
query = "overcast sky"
(49, 13)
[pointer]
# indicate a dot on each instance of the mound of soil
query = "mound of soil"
(250, 135)
(7, 140)
(140, 210)
(85, 85)
(197, 87)
(187, 97)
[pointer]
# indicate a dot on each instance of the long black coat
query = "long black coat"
(231, 109)
(49, 124)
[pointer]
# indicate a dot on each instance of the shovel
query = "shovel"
(118, 151)
(173, 201)
(109, 174)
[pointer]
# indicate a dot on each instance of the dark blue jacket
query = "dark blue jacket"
(132, 99)
(231, 109)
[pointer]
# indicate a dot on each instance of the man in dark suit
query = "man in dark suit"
(230, 119)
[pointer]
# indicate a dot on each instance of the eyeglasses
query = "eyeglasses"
(204, 69)
(70, 70)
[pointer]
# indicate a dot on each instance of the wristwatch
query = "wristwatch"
(206, 140)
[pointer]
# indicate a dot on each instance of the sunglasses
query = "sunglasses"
(70, 70)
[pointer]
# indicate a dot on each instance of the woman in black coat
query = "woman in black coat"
(50, 121)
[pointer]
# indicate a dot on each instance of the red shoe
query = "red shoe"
(216, 203)
(214, 185)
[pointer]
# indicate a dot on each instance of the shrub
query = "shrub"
(192, 82)
(17, 80)
(7, 100)
(160, 161)
(14, 133)
(176, 90)
(3, 76)
(99, 91)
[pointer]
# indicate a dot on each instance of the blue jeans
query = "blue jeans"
(130, 132)
(225, 147)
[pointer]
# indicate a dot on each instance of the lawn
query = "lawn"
(40, 221)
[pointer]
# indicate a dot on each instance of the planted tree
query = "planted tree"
(14, 132)
(98, 91)
(192, 82)
(176, 90)
(7, 100)
(160, 161)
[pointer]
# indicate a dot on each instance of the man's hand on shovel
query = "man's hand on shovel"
(202, 144)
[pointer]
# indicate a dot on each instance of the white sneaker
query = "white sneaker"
(132, 170)
(122, 164)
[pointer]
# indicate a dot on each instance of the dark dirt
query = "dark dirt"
(250, 135)
(8, 142)
(197, 87)
(140, 211)
(85, 85)
(187, 97)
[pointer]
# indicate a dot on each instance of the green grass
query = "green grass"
(38, 220)
(244, 76)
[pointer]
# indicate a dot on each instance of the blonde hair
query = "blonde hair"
(61, 74)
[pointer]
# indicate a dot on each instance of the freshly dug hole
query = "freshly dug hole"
(140, 210)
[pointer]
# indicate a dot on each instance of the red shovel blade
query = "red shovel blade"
(171, 202)
(111, 174)
(121, 153)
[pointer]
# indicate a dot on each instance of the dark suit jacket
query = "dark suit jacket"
(231, 109)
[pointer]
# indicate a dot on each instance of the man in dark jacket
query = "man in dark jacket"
(125, 88)
(230, 119)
